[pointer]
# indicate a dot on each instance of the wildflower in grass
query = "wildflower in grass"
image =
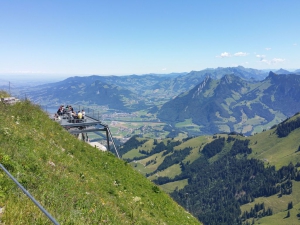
(136, 199)
(51, 163)
(136, 203)
(117, 183)
(102, 201)
(93, 208)
(120, 194)
(6, 131)
(18, 120)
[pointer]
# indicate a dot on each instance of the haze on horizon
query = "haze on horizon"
(56, 39)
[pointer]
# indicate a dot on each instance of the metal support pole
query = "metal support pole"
(112, 141)
(107, 138)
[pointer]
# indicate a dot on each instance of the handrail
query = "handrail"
(96, 117)
(29, 196)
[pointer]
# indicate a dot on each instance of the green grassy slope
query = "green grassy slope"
(276, 151)
(76, 183)
(195, 143)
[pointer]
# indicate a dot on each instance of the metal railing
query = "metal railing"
(29, 196)
(95, 115)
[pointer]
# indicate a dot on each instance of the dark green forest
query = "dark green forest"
(284, 128)
(217, 190)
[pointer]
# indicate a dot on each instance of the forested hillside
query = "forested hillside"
(228, 178)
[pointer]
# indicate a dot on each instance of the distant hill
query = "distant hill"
(118, 92)
(86, 91)
(282, 71)
(227, 178)
(74, 182)
(234, 104)
(297, 71)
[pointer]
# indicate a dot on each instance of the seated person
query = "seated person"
(79, 115)
(69, 114)
(59, 111)
(74, 115)
(56, 117)
(65, 110)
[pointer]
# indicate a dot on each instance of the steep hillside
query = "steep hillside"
(227, 178)
(75, 182)
(280, 145)
(283, 94)
(233, 104)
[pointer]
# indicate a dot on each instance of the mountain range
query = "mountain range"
(154, 88)
(212, 100)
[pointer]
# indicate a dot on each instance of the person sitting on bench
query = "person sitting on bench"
(60, 111)
(83, 114)
(79, 115)
(74, 115)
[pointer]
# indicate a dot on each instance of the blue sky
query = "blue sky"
(66, 38)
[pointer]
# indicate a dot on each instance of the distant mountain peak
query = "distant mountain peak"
(282, 71)
(271, 75)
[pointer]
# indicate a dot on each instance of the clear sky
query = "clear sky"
(67, 38)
